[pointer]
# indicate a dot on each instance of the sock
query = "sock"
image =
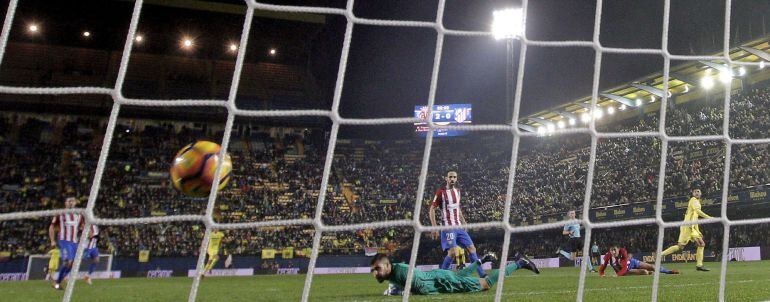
(468, 270)
(62, 273)
(210, 265)
(91, 268)
(665, 270)
(699, 256)
(670, 250)
(590, 266)
(479, 270)
(565, 254)
(493, 274)
(447, 262)
(207, 267)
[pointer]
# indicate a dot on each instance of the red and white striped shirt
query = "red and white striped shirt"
(69, 225)
(448, 200)
(94, 236)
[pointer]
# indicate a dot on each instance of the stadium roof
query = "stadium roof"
(239, 9)
(683, 79)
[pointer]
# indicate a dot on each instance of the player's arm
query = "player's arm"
(462, 217)
(432, 214)
(624, 263)
(607, 258)
(52, 231)
(701, 213)
(567, 230)
(97, 235)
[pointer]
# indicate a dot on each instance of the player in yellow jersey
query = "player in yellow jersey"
(53, 263)
(692, 233)
(213, 250)
(459, 257)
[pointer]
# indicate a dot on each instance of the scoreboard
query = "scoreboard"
(451, 114)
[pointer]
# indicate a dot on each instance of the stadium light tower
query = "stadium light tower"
(725, 77)
(508, 24)
(187, 43)
(33, 28)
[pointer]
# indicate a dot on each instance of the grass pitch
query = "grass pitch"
(746, 281)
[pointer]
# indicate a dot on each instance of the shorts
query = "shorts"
(91, 253)
(574, 244)
(213, 254)
(67, 250)
(453, 238)
(687, 234)
(633, 264)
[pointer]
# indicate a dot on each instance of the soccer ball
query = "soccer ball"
(192, 172)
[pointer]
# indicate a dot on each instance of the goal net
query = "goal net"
(116, 93)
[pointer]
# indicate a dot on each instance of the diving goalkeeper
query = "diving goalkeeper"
(440, 281)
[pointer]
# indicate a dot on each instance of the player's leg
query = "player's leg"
(637, 271)
(578, 246)
(651, 268)
(566, 253)
(468, 270)
(93, 254)
(523, 262)
(213, 257)
(53, 266)
(684, 238)
(67, 250)
(636, 267)
(701, 245)
(459, 257)
(464, 240)
(447, 245)
(645, 266)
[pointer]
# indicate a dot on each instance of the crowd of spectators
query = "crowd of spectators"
(279, 177)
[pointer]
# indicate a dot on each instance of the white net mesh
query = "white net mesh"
(337, 120)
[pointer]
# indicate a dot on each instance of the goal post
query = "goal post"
(37, 266)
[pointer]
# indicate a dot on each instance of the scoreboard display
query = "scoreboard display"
(451, 114)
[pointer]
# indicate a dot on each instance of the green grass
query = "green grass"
(746, 281)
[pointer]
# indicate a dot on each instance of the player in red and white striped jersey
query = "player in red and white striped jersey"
(69, 226)
(92, 251)
(447, 200)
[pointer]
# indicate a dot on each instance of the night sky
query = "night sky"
(389, 68)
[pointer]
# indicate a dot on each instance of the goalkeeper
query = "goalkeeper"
(443, 281)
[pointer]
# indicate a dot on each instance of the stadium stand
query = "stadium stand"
(278, 177)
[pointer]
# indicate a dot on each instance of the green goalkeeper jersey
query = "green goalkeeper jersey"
(433, 282)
